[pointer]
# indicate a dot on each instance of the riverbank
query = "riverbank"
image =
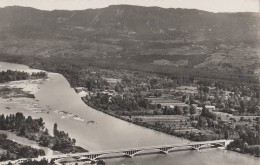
(194, 137)
(242, 147)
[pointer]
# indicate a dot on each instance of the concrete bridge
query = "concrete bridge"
(131, 152)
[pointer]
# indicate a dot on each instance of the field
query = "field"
(177, 123)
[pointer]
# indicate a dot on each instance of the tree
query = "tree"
(153, 82)
(219, 133)
(143, 103)
(183, 99)
(157, 94)
(52, 162)
(226, 134)
(191, 99)
(205, 89)
(158, 106)
(178, 110)
(22, 130)
(242, 106)
(44, 140)
(104, 99)
(202, 122)
(74, 141)
(192, 110)
(19, 116)
(185, 110)
(55, 129)
(119, 88)
(40, 122)
(101, 162)
(204, 111)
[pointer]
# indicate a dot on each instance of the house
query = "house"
(181, 105)
(159, 90)
(198, 109)
(210, 107)
(211, 97)
(112, 80)
(186, 89)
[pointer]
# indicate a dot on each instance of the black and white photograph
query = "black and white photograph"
(129, 82)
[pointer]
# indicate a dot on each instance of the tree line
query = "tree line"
(14, 150)
(9, 75)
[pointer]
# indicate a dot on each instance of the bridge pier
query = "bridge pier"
(165, 150)
(222, 144)
(131, 153)
(196, 147)
(91, 157)
(227, 143)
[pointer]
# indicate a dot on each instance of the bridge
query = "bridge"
(131, 152)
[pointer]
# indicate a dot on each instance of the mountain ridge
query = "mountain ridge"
(125, 5)
(126, 33)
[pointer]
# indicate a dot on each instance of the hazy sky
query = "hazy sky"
(209, 5)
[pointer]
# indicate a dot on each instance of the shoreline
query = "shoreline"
(130, 121)
(244, 153)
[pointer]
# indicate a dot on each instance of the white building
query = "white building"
(210, 107)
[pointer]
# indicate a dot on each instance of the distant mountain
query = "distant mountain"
(129, 20)
(130, 31)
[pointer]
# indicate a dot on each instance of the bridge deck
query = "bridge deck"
(131, 151)
(137, 148)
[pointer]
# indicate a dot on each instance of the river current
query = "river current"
(96, 131)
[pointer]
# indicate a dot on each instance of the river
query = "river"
(95, 130)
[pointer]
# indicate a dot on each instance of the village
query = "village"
(188, 108)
